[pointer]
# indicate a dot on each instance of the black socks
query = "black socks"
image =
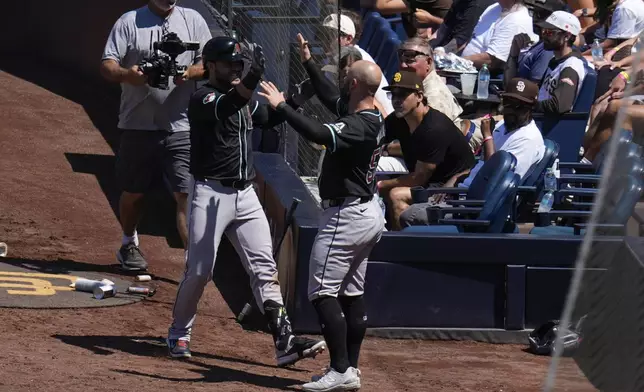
(356, 319)
(334, 329)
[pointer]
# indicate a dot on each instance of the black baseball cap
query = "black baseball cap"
(523, 90)
(405, 79)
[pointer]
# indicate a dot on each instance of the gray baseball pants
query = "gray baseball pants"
(215, 210)
(346, 236)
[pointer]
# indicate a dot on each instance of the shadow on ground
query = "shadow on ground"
(101, 101)
(151, 346)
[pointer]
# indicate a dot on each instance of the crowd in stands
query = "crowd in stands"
(539, 53)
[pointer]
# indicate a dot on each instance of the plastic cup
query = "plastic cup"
(468, 81)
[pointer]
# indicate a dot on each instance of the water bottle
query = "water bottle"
(482, 91)
(550, 180)
(546, 202)
(550, 185)
(597, 51)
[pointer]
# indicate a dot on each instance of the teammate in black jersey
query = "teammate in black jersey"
(352, 221)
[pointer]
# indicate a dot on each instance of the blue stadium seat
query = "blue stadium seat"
(492, 217)
(622, 195)
(369, 28)
(488, 178)
(382, 30)
(388, 53)
(568, 129)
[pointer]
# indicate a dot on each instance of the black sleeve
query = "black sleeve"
(339, 135)
(265, 117)
(221, 106)
(327, 92)
(563, 95)
(465, 22)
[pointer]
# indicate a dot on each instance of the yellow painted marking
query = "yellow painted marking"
(31, 285)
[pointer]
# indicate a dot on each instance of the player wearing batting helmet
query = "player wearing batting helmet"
(223, 200)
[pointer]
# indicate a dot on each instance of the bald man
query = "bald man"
(351, 223)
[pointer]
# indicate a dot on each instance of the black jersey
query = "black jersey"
(351, 159)
(220, 133)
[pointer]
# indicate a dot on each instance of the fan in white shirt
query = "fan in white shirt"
(492, 37)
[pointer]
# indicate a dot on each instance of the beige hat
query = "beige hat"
(346, 24)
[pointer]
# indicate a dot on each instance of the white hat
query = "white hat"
(346, 24)
(562, 20)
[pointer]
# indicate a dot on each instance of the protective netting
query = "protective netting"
(607, 289)
(274, 24)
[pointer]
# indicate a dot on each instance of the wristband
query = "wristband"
(487, 138)
(624, 76)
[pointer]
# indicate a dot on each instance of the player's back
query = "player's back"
(350, 162)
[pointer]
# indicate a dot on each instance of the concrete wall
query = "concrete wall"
(68, 33)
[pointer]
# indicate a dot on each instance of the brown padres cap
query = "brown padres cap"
(406, 79)
(523, 90)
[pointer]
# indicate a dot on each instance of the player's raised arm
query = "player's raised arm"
(309, 128)
(223, 60)
(327, 92)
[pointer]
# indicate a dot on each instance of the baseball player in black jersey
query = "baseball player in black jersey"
(223, 200)
(351, 223)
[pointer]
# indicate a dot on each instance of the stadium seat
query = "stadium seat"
(492, 217)
(621, 197)
(488, 177)
(568, 129)
(382, 30)
(368, 29)
(388, 53)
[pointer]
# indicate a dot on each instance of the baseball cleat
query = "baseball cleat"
(131, 258)
(335, 381)
(326, 369)
(299, 348)
(178, 348)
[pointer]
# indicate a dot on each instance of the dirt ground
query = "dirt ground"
(57, 200)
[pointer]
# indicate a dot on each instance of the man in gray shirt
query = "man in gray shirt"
(155, 130)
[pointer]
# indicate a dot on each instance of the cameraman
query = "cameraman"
(155, 135)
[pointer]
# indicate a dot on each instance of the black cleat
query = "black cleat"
(299, 348)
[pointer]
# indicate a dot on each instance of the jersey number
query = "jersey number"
(373, 164)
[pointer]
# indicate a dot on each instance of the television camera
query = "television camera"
(163, 63)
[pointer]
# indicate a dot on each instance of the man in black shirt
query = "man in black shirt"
(223, 200)
(351, 223)
(433, 148)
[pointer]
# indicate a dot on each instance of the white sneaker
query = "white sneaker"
(326, 369)
(335, 381)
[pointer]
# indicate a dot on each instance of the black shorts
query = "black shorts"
(144, 157)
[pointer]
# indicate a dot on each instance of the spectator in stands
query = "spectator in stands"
(566, 72)
(155, 130)
(415, 54)
(617, 21)
(430, 143)
(602, 127)
(528, 58)
(517, 134)
(420, 17)
(459, 23)
(349, 33)
(492, 38)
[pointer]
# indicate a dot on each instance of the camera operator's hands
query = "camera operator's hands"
(271, 93)
(135, 76)
(257, 59)
(305, 49)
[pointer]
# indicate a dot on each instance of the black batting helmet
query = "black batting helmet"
(222, 49)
